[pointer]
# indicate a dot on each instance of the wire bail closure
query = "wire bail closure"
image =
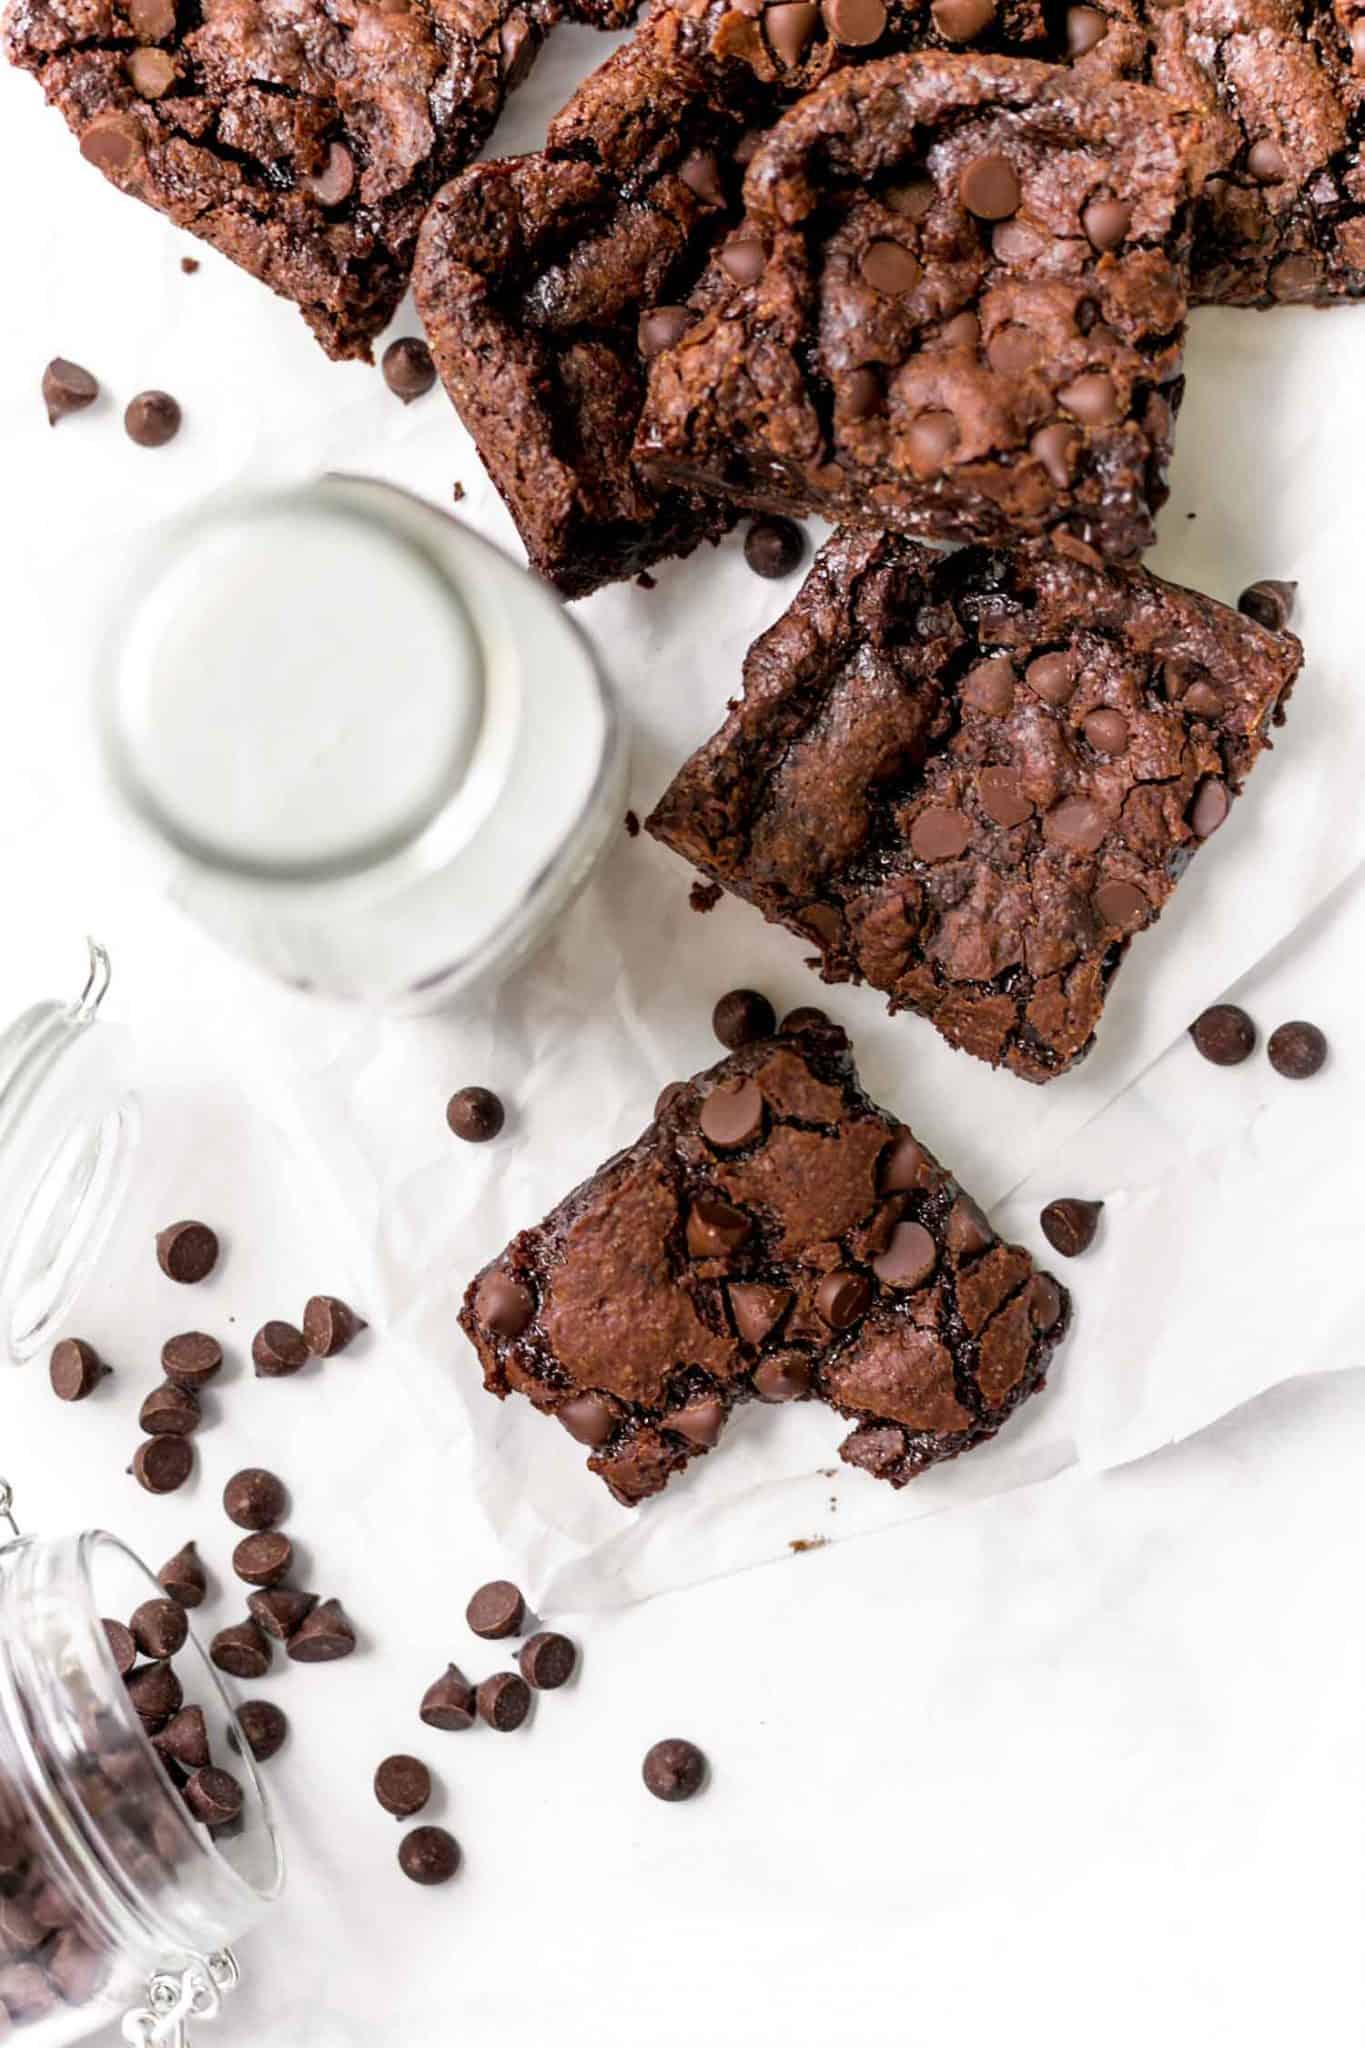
(175, 1997)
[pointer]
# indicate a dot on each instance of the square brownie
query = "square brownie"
(969, 779)
(772, 1235)
(955, 306)
(302, 138)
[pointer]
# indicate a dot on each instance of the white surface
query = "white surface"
(1079, 1761)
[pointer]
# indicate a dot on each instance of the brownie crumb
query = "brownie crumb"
(644, 581)
(189, 264)
(457, 492)
(799, 1544)
(704, 896)
(632, 825)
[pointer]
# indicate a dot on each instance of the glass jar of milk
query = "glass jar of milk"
(379, 756)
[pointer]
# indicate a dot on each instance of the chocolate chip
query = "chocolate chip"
(805, 1017)
(1106, 222)
(330, 1325)
(1091, 399)
(263, 1559)
(1014, 350)
(407, 368)
(75, 1369)
(1002, 796)
(547, 1661)
(517, 46)
(335, 182)
(264, 1727)
(1269, 603)
(841, 1298)
(1055, 447)
(660, 328)
(163, 1463)
(1107, 731)
(1076, 825)
(783, 1377)
(774, 547)
(855, 24)
(183, 1577)
(588, 1418)
(1224, 1034)
(159, 1628)
(169, 1411)
(280, 1610)
(213, 1796)
(278, 1351)
(67, 388)
(324, 1636)
(429, 1856)
(1121, 904)
(503, 1305)
(715, 1227)
(906, 1166)
(940, 834)
(153, 20)
(1266, 162)
(1053, 678)
(187, 1252)
(1085, 27)
(242, 1649)
(1297, 1050)
(989, 687)
(448, 1701)
(496, 1610)
(989, 188)
(743, 1016)
(1044, 1302)
(1210, 807)
(151, 420)
(504, 1701)
(700, 1422)
(743, 259)
(930, 440)
(757, 1310)
(151, 73)
(112, 143)
(914, 197)
(402, 1785)
(909, 1259)
(732, 1115)
(255, 1499)
(962, 21)
(475, 1114)
(860, 394)
(890, 269)
(673, 1769)
(191, 1359)
(184, 1740)
(1069, 1225)
(700, 172)
(790, 25)
(121, 1645)
(155, 1693)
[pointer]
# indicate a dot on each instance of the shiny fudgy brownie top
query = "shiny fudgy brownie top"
(970, 779)
(771, 1235)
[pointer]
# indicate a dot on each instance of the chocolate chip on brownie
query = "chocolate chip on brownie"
(1297, 1050)
(67, 388)
(1224, 1034)
(75, 1369)
(184, 1740)
(187, 1252)
(674, 1769)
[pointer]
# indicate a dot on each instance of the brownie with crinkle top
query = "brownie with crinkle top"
(970, 779)
(302, 138)
(955, 306)
(774, 1236)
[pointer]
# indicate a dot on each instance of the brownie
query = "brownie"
(772, 1235)
(969, 779)
(547, 281)
(955, 306)
(304, 140)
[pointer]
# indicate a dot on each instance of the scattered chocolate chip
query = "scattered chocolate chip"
(67, 388)
(632, 823)
(278, 1351)
(121, 1644)
(407, 368)
(163, 1463)
(700, 1422)
(805, 1017)
(673, 1769)
(1297, 1050)
(503, 1305)
(909, 1258)
(1069, 1225)
(255, 1499)
(155, 1693)
(547, 1660)
(1269, 603)
(743, 1016)
(264, 1727)
(448, 1701)
(841, 1298)
(75, 1369)
(475, 1114)
(152, 419)
(183, 1577)
(159, 1628)
(213, 1796)
(184, 1740)
(191, 1359)
(989, 188)
(243, 1649)
(263, 1559)
(496, 1610)
(855, 24)
(504, 1701)
(169, 1411)
(325, 1636)
(1224, 1034)
(280, 1610)
(335, 182)
(329, 1325)
(588, 1418)
(187, 1252)
(774, 546)
(783, 1377)
(429, 1856)
(402, 1785)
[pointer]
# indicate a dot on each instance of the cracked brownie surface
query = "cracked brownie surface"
(302, 138)
(971, 779)
(955, 305)
(772, 1235)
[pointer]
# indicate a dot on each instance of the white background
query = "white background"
(1080, 1761)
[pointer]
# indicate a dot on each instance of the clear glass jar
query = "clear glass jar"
(68, 1131)
(366, 750)
(107, 1883)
